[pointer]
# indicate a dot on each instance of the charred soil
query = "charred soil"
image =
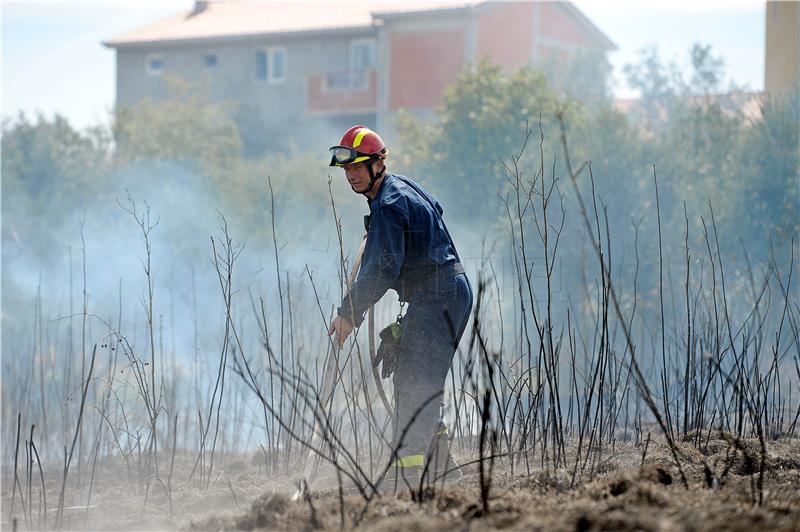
(624, 488)
(621, 494)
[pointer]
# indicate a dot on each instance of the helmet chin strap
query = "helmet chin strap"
(372, 176)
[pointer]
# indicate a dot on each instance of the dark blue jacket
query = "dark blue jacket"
(407, 242)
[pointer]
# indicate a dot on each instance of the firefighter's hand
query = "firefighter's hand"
(342, 327)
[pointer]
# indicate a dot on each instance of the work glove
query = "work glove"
(389, 349)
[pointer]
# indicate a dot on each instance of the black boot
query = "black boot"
(405, 473)
(441, 466)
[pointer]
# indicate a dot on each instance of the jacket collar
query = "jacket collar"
(373, 203)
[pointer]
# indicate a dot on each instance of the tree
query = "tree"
(483, 119)
(707, 70)
(659, 86)
(50, 171)
(42, 154)
(185, 127)
(768, 177)
(584, 75)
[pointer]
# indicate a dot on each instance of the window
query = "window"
(362, 54)
(154, 64)
(210, 60)
(270, 65)
(261, 65)
(278, 71)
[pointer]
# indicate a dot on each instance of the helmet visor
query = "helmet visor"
(342, 155)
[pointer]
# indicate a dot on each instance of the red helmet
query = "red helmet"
(358, 144)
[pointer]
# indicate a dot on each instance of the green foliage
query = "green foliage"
(584, 77)
(659, 86)
(259, 136)
(300, 186)
(694, 159)
(50, 170)
(483, 119)
(186, 127)
(707, 70)
(665, 91)
(183, 155)
(614, 146)
(768, 160)
(703, 146)
(41, 154)
(707, 150)
(233, 173)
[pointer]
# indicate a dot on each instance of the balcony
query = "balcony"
(343, 91)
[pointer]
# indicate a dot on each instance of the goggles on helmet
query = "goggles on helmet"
(342, 155)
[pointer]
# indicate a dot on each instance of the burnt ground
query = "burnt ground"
(621, 493)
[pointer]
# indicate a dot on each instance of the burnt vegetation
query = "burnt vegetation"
(629, 364)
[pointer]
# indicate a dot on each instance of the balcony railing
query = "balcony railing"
(346, 80)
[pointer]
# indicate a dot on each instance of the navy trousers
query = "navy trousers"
(437, 315)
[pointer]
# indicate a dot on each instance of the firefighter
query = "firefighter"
(410, 250)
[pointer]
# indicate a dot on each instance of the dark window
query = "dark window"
(210, 60)
(362, 54)
(277, 65)
(154, 64)
(261, 65)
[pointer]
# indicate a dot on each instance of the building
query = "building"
(782, 47)
(302, 66)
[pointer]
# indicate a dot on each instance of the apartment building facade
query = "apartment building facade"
(306, 66)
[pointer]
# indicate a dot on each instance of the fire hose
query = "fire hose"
(370, 332)
(331, 369)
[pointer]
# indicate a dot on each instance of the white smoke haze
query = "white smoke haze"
(216, 391)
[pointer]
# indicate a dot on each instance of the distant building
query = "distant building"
(324, 65)
(782, 50)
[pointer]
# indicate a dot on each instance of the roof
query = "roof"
(232, 19)
(223, 19)
(567, 8)
(427, 8)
